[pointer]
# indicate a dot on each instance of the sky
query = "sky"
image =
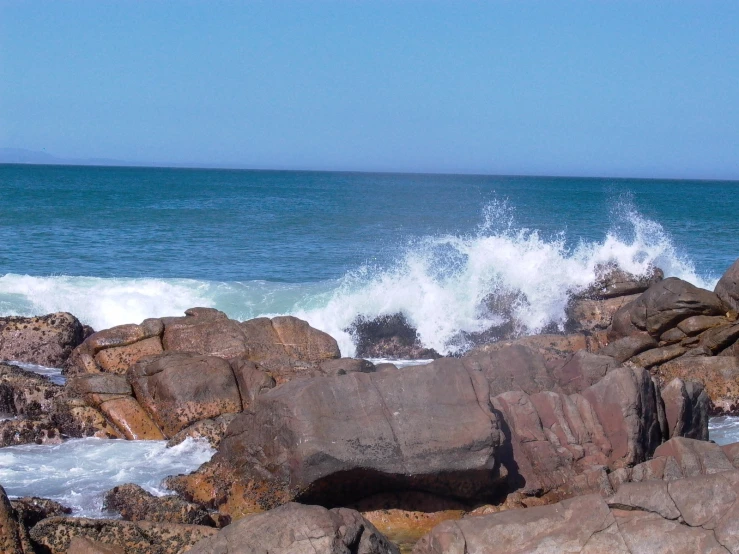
(621, 88)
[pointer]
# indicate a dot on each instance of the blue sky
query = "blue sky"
(559, 88)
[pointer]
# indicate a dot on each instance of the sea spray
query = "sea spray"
(445, 285)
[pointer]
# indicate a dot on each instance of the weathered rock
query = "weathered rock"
(695, 457)
(656, 356)
(55, 535)
(31, 510)
(727, 288)
(135, 504)
(299, 529)
(582, 370)
(10, 528)
(338, 439)
(589, 314)
(81, 545)
(667, 303)
(45, 340)
(649, 496)
(555, 349)
(718, 374)
(582, 524)
(24, 392)
(40, 430)
(132, 420)
(211, 430)
(76, 419)
(388, 336)
(732, 453)
(720, 337)
(686, 407)
(118, 359)
(179, 388)
(612, 281)
(204, 331)
(698, 323)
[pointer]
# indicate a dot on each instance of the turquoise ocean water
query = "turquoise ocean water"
(117, 245)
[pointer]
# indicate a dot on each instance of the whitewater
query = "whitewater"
(439, 282)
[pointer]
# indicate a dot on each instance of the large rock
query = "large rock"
(46, 340)
(179, 388)
(583, 370)
(719, 375)
(663, 306)
(299, 529)
(611, 281)
(388, 336)
(727, 288)
(685, 516)
(55, 535)
(30, 509)
(24, 392)
(590, 314)
(686, 409)
(338, 439)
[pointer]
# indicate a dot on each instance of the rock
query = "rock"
(657, 356)
(698, 323)
(120, 358)
(695, 457)
(24, 392)
(204, 331)
(76, 419)
(10, 529)
(588, 314)
(40, 430)
(295, 528)
(720, 337)
(582, 370)
(650, 496)
(135, 504)
(555, 349)
(80, 545)
(732, 453)
(55, 535)
(667, 303)
(686, 407)
(355, 435)
(388, 336)
(132, 420)
(612, 281)
(31, 510)
(211, 430)
(45, 340)
(719, 375)
(627, 347)
(178, 389)
(727, 288)
(582, 524)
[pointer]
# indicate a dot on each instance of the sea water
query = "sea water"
(118, 245)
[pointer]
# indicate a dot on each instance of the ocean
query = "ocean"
(117, 245)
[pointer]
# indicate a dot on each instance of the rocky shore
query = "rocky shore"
(593, 440)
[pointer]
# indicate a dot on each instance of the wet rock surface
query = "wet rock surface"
(46, 340)
(388, 336)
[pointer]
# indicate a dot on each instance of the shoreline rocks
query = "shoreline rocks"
(45, 340)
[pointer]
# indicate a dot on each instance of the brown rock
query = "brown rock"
(132, 420)
(10, 529)
(727, 288)
(657, 356)
(303, 342)
(99, 383)
(81, 545)
(178, 389)
(582, 370)
(55, 534)
(719, 375)
(76, 419)
(732, 453)
(588, 314)
(40, 430)
(118, 359)
(612, 281)
(698, 323)
(211, 430)
(695, 457)
(31, 510)
(299, 529)
(719, 338)
(45, 340)
(204, 331)
(24, 392)
(650, 496)
(388, 336)
(368, 433)
(626, 347)
(686, 408)
(135, 504)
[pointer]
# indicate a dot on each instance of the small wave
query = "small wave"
(444, 285)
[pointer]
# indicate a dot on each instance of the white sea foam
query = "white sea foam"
(439, 283)
(724, 429)
(53, 374)
(78, 472)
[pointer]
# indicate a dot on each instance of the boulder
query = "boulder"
(204, 331)
(583, 370)
(31, 510)
(11, 533)
(135, 504)
(388, 336)
(25, 393)
(695, 457)
(45, 340)
(81, 545)
(611, 281)
(686, 408)
(665, 304)
(39, 430)
(338, 439)
(590, 314)
(179, 388)
(54, 535)
(719, 376)
(211, 430)
(727, 287)
(624, 348)
(298, 529)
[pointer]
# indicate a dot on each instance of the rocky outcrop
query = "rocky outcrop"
(135, 504)
(55, 535)
(295, 528)
(685, 516)
(45, 340)
(727, 288)
(388, 336)
(11, 532)
(336, 439)
(31, 510)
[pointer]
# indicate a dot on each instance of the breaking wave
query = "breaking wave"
(443, 284)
